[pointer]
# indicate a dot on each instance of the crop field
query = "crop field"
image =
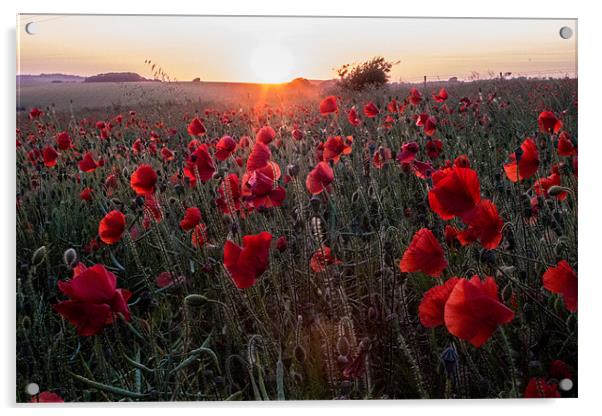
(176, 242)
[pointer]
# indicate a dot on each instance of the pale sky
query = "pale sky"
(269, 49)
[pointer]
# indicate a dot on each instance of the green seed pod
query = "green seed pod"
(38, 256)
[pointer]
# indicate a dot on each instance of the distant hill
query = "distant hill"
(47, 78)
(117, 77)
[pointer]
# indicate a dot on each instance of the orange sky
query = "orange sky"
(267, 49)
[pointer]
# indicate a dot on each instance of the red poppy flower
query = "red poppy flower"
(265, 135)
(260, 187)
(422, 170)
(548, 123)
(137, 146)
(193, 144)
(86, 194)
(455, 192)
(541, 186)
(196, 127)
(259, 157)
(111, 227)
(93, 299)
(565, 145)
(247, 263)
(562, 279)
(322, 258)
(408, 152)
(35, 113)
(336, 146)
(484, 224)
(434, 148)
(462, 161)
(538, 388)
(357, 366)
(192, 217)
(353, 118)
(168, 279)
(559, 370)
(451, 235)
(229, 190)
(430, 126)
(392, 106)
(63, 140)
(87, 164)
(473, 310)
(166, 154)
(424, 254)
(144, 180)
(47, 397)
(523, 162)
(199, 236)
(225, 147)
(201, 163)
(319, 178)
(329, 105)
(281, 244)
(415, 96)
(50, 156)
(432, 307)
(442, 96)
(381, 156)
(371, 110)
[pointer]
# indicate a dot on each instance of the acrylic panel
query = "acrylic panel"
(218, 208)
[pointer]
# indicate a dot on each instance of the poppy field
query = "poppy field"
(403, 242)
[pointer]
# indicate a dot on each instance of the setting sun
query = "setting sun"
(271, 64)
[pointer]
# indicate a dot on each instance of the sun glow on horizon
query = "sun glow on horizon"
(271, 63)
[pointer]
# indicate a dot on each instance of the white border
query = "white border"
(590, 97)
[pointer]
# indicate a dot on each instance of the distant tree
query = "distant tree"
(197, 79)
(372, 73)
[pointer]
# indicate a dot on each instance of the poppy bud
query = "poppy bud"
(139, 201)
(342, 360)
(194, 300)
(450, 360)
(292, 170)
(507, 293)
(345, 385)
(281, 244)
(38, 256)
(116, 202)
(298, 377)
(299, 353)
(372, 314)
(315, 202)
(343, 346)
(70, 257)
(556, 190)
